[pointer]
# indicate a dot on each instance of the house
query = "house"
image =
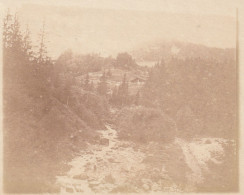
(138, 80)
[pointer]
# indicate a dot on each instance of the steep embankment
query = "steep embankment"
(40, 135)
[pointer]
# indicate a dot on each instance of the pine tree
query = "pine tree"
(27, 48)
(102, 85)
(114, 97)
(137, 97)
(7, 30)
(123, 92)
(41, 55)
(16, 36)
(109, 73)
(44, 65)
(12, 49)
(103, 77)
(87, 83)
(7, 41)
(125, 86)
(67, 89)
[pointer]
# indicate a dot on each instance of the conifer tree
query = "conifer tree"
(44, 66)
(109, 73)
(102, 85)
(16, 36)
(7, 30)
(27, 48)
(123, 92)
(12, 48)
(114, 97)
(41, 55)
(87, 83)
(137, 97)
(7, 42)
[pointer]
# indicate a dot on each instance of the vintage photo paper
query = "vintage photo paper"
(120, 96)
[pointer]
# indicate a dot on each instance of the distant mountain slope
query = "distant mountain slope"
(111, 31)
(155, 51)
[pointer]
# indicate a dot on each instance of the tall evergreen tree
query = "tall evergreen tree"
(87, 83)
(27, 47)
(123, 92)
(109, 73)
(114, 97)
(13, 57)
(137, 97)
(16, 35)
(7, 30)
(44, 66)
(41, 55)
(102, 85)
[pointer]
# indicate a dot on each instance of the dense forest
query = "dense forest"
(54, 107)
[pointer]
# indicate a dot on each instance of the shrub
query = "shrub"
(145, 124)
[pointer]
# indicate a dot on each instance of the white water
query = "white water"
(102, 166)
(198, 154)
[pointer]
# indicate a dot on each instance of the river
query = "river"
(119, 166)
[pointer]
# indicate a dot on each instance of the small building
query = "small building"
(138, 80)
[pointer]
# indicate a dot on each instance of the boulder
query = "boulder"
(104, 141)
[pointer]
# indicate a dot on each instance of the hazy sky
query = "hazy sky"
(111, 26)
(220, 7)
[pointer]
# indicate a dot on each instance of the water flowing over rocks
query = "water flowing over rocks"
(121, 166)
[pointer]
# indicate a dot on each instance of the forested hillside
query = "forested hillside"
(45, 116)
(199, 93)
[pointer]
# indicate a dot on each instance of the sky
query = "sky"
(220, 7)
(112, 26)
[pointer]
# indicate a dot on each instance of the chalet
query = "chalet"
(138, 80)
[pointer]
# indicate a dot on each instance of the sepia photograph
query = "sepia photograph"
(120, 96)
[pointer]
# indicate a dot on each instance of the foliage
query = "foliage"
(120, 95)
(199, 93)
(102, 85)
(142, 124)
(45, 117)
(125, 60)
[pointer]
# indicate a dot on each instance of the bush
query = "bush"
(145, 124)
(91, 108)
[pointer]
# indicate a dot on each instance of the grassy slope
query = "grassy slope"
(40, 135)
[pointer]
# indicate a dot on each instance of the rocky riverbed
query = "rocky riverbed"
(120, 166)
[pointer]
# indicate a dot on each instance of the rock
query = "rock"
(208, 142)
(104, 141)
(80, 177)
(69, 190)
(109, 179)
(155, 187)
(146, 187)
(111, 160)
